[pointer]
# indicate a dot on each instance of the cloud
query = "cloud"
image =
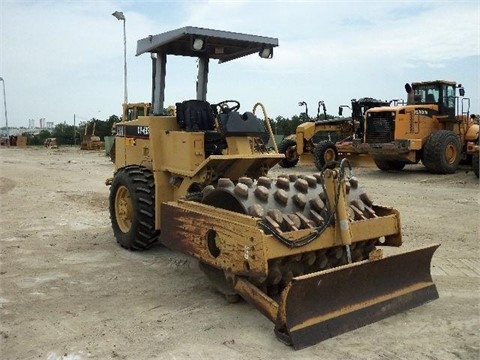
(65, 57)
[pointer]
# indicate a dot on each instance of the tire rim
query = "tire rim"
(291, 153)
(123, 209)
(450, 154)
(329, 155)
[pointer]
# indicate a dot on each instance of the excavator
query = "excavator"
(307, 251)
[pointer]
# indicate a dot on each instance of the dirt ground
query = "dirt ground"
(68, 291)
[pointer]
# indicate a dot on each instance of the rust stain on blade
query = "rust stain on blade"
(319, 306)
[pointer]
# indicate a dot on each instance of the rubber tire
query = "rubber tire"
(323, 153)
(139, 233)
(389, 165)
(475, 163)
(434, 152)
(282, 149)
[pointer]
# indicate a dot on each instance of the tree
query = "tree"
(42, 135)
(31, 139)
(102, 128)
(64, 133)
(112, 120)
(282, 126)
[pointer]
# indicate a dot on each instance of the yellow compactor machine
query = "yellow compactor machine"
(304, 250)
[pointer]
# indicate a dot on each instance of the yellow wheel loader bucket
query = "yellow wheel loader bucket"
(321, 305)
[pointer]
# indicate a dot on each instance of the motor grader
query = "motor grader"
(91, 141)
(434, 128)
(132, 111)
(301, 249)
(325, 140)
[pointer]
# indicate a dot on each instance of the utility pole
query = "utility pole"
(5, 105)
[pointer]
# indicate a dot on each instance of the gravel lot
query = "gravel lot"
(68, 291)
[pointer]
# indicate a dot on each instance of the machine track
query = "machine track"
(290, 203)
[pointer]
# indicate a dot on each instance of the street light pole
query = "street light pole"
(5, 105)
(119, 16)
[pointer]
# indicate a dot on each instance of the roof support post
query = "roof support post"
(159, 64)
(202, 78)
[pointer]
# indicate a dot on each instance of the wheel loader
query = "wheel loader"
(304, 250)
(327, 140)
(434, 128)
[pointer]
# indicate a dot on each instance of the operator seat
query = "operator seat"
(195, 115)
(430, 99)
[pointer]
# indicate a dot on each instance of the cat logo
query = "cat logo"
(130, 141)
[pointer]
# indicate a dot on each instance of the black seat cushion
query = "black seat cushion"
(195, 115)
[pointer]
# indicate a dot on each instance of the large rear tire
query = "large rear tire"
(325, 152)
(288, 147)
(132, 208)
(389, 165)
(442, 152)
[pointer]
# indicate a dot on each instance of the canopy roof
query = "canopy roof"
(221, 45)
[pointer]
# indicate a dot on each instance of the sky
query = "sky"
(63, 60)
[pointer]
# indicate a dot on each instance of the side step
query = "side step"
(321, 305)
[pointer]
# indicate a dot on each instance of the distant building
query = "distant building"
(11, 131)
(31, 129)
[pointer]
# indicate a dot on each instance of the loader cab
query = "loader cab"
(440, 93)
(360, 107)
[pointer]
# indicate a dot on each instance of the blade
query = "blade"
(321, 305)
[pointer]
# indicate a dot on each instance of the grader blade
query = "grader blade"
(321, 305)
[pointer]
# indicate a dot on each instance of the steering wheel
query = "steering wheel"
(225, 107)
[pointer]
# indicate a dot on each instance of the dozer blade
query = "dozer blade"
(321, 305)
